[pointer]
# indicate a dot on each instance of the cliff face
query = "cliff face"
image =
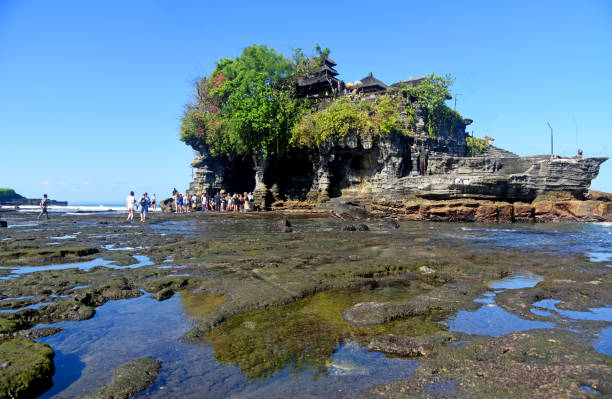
(397, 168)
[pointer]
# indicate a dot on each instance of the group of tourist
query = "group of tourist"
(143, 204)
(220, 202)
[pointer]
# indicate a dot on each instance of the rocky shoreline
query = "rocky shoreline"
(596, 207)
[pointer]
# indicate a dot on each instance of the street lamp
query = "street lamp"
(456, 94)
(551, 139)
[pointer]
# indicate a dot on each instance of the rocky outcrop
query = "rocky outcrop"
(496, 211)
(10, 197)
(129, 379)
(406, 170)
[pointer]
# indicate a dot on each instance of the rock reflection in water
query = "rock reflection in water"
(305, 334)
(89, 351)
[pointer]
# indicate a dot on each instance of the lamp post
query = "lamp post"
(551, 139)
(456, 94)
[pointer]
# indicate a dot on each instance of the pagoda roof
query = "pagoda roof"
(371, 81)
(316, 79)
(329, 61)
(329, 69)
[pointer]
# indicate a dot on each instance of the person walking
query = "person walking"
(179, 202)
(44, 202)
(129, 204)
(154, 202)
(144, 207)
(217, 202)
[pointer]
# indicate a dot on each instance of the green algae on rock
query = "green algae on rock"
(304, 334)
(26, 368)
(130, 378)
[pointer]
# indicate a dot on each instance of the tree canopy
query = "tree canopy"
(245, 105)
(249, 105)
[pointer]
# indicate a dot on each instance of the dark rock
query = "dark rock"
(130, 378)
(392, 224)
(39, 332)
(3, 223)
(363, 227)
(28, 368)
(285, 225)
(349, 227)
(284, 222)
(167, 205)
(409, 346)
(164, 294)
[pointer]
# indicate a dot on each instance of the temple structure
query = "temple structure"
(370, 84)
(323, 83)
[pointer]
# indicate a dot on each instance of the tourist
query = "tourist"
(217, 202)
(251, 200)
(204, 202)
(186, 203)
(44, 202)
(194, 202)
(175, 196)
(144, 207)
(129, 204)
(153, 202)
(179, 203)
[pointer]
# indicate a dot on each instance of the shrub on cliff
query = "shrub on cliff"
(344, 116)
(430, 94)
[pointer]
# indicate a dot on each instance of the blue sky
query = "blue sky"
(91, 93)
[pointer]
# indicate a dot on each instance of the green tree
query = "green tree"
(244, 105)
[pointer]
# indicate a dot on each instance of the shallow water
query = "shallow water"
(491, 319)
(88, 351)
(333, 362)
(16, 271)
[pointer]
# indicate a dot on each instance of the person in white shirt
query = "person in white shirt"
(129, 203)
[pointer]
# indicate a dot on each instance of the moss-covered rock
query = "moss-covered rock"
(26, 368)
(130, 378)
(38, 256)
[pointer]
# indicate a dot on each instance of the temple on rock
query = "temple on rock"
(370, 84)
(432, 161)
(323, 83)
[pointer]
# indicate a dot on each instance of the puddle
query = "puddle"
(594, 314)
(599, 256)
(88, 351)
(34, 306)
(516, 281)
(66, 237)
(85, 266)
(589, 389)
(604, 343)
(491, 319)
(305, 334)
(111, 247)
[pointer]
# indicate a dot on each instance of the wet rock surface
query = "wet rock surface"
(535, 364)
(26, 368)
(303, 294)
(129, 379)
